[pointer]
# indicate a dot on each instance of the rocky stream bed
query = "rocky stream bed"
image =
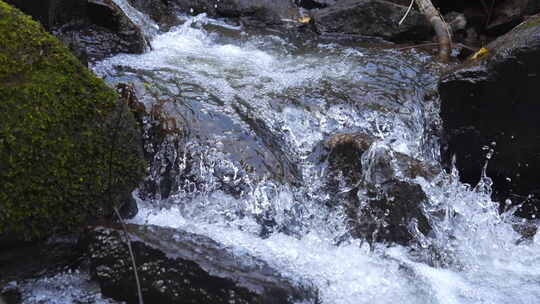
(296, 154)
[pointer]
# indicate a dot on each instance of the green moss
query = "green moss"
(61, 130)
(532, 22)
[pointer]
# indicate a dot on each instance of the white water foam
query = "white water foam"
(473, 254)
(488, 264)
(70, 287)
(263, 76)
(229, 69)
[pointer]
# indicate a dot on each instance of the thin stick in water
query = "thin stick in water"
(128, 241)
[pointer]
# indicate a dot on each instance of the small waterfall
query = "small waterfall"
(250, 171)
(148, 27)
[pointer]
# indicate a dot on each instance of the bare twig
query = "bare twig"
(436, 44)
(406, 13)
(113, 144)
(128, 242)
(441, 28)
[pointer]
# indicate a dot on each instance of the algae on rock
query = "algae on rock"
(68, 148)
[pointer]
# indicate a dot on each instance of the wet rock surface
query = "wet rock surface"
(52, 12)
(489, 107)
(378, 191)
(21, 260)
(372, 18)
(259, 13)
(106, 30)
(92, 29)
(391, 212)
(177, 266)
(507, 14)
(357, 18)
(163, 12)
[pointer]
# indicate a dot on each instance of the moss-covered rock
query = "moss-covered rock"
(67, 149)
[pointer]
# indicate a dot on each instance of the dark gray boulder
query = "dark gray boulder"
(491, 103)
(237, 8)
(248, 12)
(375, 18)
(261, 16)
(175, 266)
(531, 7)
(52, 12)
(163, 12)
(105, 31)
(507, 14)
(92, 29)
(23, 260)
(314, 4)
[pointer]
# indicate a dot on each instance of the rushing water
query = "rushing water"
(253, 111)
(63, 288)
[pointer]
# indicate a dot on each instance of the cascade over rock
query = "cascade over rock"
(263, 203)
(351, 18)
(177, 266)
(491, 104)
(104, 31)
(383, 199)
(163, 12)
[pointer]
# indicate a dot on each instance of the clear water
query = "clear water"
(254, 111)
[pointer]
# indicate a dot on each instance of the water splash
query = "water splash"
(276, 97)
(148, 27)
(70, 287)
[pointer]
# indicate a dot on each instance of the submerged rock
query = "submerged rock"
(392, 212)
(175, 266)
(377, 188)
(68, 148)
(375, 18)
(490, 103)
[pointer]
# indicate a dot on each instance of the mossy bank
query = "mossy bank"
(68, 148)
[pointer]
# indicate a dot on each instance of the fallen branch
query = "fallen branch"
(441, 28)
(454, 45)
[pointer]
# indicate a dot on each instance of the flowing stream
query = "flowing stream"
(252, 111)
